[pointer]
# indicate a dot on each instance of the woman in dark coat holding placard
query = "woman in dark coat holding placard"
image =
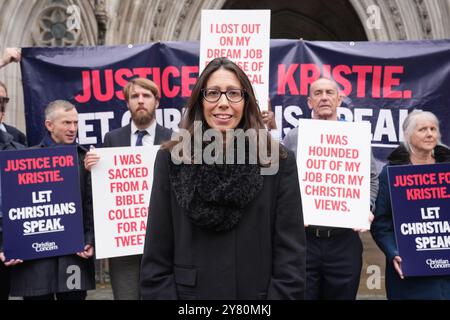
(422, 146)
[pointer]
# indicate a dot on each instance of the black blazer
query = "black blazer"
(262, 257)
(18, 135)
(121, 137)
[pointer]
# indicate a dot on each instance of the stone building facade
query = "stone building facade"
(25, 23)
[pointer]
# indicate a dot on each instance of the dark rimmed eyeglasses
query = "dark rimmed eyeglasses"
(4, 100)
(214, 95)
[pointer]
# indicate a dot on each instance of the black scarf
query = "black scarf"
(214, 196)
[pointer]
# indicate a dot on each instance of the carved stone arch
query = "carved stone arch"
(21, 26)
(132, 23)
(63, 23)
(311, 20)
(406, 20)
(157, 20)
(148, 21)
(189, 23)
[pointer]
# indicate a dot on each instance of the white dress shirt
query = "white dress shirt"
(148, 139)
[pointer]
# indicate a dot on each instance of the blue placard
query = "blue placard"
(420, 198)
(41, 203)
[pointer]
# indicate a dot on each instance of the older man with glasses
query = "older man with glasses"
(9, 55)
(17, 135)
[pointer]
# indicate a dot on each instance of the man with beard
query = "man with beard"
(142, 97)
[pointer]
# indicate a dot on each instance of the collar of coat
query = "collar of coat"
(401, 155)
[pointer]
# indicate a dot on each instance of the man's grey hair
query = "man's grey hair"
(324, 78)
(56, 105)
(410, 124)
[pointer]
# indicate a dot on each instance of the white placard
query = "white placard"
(333, 159)
(243, 36)
(121, 185)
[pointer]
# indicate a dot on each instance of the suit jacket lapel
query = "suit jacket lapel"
(125, 137)
(157, 135)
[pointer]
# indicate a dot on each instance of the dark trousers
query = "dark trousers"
(125, 273)
(4, 282)
(333, 266)
(70, 295)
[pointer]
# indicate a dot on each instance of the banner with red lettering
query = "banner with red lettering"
(92, 79)
(381, 82)
(121, 185)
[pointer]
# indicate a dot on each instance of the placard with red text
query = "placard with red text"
(333, 159)
(243, 36)
(121, 185)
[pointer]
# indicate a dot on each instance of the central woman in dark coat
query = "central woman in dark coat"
(224, 231)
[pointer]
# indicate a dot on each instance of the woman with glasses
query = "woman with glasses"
(224, 229)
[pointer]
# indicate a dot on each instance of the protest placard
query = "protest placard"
(421, 212)
(121, 186)
(41, 203)
(333, 159)
(243, 36)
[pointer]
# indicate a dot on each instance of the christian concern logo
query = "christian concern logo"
(44, 246)
(438, 263)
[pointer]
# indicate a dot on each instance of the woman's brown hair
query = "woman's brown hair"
(251, 118)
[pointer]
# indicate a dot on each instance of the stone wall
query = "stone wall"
(25, 23)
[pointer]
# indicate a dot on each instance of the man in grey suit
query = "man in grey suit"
(142, 97)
